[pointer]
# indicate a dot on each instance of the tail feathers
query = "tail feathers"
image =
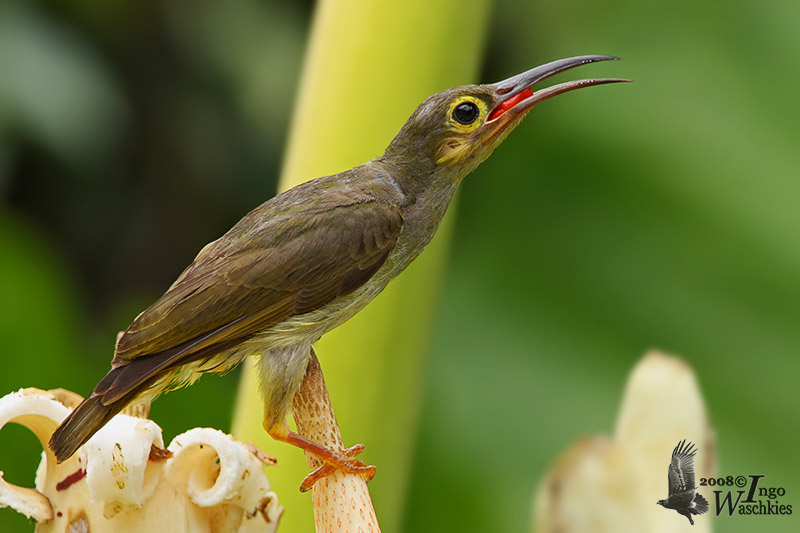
(81, 424)
(700, 504)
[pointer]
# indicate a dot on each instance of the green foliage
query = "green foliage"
(657, 214)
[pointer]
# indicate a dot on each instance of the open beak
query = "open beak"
(515, 95)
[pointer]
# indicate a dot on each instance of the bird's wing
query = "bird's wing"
(275, 264)
(681, 469)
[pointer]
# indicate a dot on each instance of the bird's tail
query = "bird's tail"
(700, 504)
(81, 424)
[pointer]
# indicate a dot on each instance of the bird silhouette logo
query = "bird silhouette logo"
(683, 497)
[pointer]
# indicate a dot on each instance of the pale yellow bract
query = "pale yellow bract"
(368, 65)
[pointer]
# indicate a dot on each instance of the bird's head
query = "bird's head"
(662, 503)
(453, 131)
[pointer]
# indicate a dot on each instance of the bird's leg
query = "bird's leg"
(326, 469)
(318, 432)
(332, 461)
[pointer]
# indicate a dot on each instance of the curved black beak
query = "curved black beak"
(516, 92)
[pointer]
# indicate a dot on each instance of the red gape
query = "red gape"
(508, 104)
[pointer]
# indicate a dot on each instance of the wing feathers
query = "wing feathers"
(680, 473)
(234, 290)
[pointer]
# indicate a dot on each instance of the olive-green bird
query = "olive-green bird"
(309, 259)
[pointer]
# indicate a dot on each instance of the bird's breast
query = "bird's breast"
(421, 218)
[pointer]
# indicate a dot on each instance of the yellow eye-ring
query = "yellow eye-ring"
(465, 113)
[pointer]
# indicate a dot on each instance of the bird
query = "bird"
(307, 260)
(683, 497)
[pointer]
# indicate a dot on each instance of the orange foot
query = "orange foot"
(353, 466)
(344, 461)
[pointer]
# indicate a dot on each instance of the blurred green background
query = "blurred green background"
(659, 214)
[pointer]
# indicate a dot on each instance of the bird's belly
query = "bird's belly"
(309, 327)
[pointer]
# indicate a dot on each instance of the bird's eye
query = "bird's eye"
(466, 113)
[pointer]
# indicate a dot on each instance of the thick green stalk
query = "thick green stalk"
(369, 64)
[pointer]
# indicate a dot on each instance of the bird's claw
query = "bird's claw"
(345, 462)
